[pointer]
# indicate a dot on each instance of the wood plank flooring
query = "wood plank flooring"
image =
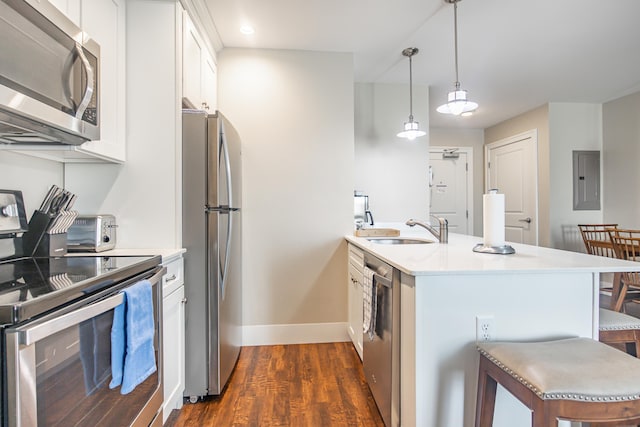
(289, 385)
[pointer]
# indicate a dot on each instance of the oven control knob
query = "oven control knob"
(106, 239)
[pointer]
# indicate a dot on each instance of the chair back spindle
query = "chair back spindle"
(597, 240)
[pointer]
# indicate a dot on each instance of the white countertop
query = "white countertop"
(166, 254)
(457, 257)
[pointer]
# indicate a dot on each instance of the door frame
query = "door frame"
(469, 152)
(532, 135)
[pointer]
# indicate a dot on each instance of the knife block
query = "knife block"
(37, 242)
(52, 245)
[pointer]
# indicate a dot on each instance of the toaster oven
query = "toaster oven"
(92, 233)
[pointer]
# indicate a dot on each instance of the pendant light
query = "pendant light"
(457, 102)
(411, 129)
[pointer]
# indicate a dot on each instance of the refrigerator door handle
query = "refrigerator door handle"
(224, 266)
(227, 163)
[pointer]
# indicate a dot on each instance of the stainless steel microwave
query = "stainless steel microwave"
(49, 74)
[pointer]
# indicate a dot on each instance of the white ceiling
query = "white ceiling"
(514, 55)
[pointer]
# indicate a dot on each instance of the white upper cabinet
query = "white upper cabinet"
(192, 48)
(104, 21)
(71, 9)
(209, 83)
(199, 77)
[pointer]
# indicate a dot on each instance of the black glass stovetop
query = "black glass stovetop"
(31, 286)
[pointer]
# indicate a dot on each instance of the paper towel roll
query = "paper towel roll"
(493, 218)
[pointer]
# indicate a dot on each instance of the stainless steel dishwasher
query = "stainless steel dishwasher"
(381, 349)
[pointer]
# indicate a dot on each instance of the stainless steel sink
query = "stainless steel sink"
(398, 241)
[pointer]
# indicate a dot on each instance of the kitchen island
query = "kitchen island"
(535, 294)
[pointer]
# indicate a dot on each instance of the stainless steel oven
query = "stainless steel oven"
(58, 314)
(49, 74)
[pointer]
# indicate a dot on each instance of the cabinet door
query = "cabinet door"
(355, 316)
(209, 83)
(192, 48)
(173, 350)
(355, 308)
(104, 21)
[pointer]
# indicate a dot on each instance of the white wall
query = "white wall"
(441, 137)
(392, 171)
(142, 193)
(621, 128)
(31, 175)
(572, 126)
(293, 111)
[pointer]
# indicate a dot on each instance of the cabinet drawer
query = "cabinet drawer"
(355, 274)
(356, 258)
(174, 277)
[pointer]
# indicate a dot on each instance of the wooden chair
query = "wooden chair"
(626, 244)
(596, 239)
(577, 379)
(598, 242)
(616, 329)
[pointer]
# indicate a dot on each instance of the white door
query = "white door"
(450, 187)
(511, 166)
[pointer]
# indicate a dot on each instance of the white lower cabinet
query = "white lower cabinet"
(356, 268)
(173, 333)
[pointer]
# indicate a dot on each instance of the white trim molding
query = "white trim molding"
(302, 333)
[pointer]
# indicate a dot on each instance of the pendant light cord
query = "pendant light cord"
(455, 40)
(410, 92)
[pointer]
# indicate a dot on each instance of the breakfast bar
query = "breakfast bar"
(446, 289)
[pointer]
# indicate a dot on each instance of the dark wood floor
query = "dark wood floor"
(289, 385)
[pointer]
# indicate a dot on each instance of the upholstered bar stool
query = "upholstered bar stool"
(619, 329)
(577, 379)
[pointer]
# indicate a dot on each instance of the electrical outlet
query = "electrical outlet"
(485, 328)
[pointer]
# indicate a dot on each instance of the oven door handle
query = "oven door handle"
(35, 333)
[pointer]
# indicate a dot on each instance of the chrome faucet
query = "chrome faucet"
(442, 234)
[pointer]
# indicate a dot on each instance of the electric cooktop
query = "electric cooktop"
(31, 286)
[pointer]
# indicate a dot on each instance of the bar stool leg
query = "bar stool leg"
(617, 299)
(540, 417)
(615, 291)
(486, 399)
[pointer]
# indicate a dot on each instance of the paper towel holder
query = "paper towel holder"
(500, 250)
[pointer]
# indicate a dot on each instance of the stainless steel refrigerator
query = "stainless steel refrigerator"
(211, 234)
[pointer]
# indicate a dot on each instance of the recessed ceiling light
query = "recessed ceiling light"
(247, 30)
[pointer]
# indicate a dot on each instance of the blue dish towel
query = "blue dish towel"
(133, 357)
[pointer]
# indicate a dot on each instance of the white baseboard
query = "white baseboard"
(302, 333)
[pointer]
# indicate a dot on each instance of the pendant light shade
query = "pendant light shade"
(411, 128)
(457, 101)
